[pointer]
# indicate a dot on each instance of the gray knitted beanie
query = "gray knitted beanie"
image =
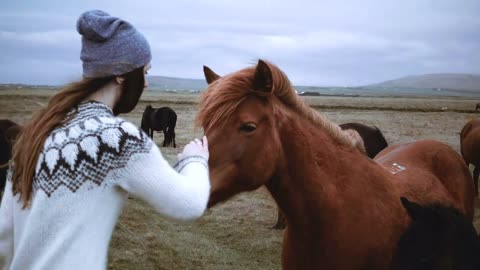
(110, 46)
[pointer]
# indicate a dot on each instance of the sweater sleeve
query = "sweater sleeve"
(6, 226)
(181, 195)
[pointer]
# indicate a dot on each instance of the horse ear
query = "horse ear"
(263, 79)
(414, 210)
(210, 76)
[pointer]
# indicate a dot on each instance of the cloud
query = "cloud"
(315, 42)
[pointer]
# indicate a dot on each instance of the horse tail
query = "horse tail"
(144, 128)
(168, 140)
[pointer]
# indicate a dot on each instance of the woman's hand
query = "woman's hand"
(195, 148)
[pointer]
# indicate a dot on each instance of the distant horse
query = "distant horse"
(477, 106)
(342, 208)
(161, 119)
(372, 137)
(470, 147)
(373, 141)
(438, 238)
(8, 133)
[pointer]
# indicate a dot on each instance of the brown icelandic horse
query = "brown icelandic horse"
(161, 119)
(373, 142)
(343, 210)
(470, 147)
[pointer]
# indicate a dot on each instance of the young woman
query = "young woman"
(75, 162)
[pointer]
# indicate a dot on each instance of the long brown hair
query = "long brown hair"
(31, 140)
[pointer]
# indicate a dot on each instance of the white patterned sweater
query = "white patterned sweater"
(83, 175)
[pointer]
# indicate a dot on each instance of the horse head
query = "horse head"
(439, 237)
(243, 114)
(238, 117)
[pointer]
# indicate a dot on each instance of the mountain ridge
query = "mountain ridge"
(458, 81)
(435, 81)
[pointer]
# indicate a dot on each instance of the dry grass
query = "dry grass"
(237, 234)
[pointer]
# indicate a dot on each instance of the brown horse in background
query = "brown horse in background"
(470, 147)
(343, 210)
(373, 142)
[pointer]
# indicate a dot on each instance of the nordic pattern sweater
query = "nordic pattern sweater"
(83, 175)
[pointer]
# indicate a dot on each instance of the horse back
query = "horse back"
(171, 116)
(470, 142)
(161, 118)
(430, 171)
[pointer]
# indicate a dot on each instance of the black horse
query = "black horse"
(438, 238)
(161, 119)
(372, 137)
(374, 142)
(8, 133)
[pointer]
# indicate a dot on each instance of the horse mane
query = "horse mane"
(224, 95)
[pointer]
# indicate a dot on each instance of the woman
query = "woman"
(75, 162)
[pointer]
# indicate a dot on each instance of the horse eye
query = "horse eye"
(248, 128)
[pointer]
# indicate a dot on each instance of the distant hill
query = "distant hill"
(469, 82)
(435, 81)
(5, 86)
(467, 85)
(175, 84)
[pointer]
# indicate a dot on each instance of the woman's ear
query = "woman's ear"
(119, 80)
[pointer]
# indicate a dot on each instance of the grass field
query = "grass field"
(237, 234)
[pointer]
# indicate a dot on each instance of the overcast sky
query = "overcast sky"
(316, 42)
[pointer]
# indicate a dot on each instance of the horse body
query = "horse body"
(356, 213)
(328, 219)
(470, 147)
(342, 209)
(161, 119)
(373, 142)
(420, 166)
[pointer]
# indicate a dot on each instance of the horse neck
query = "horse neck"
(316, 174)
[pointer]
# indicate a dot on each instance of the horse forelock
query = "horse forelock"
(222, 98)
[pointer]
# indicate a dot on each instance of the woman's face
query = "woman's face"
(146, 68)
(132, 87)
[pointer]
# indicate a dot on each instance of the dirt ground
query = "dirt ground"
(237, 234)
